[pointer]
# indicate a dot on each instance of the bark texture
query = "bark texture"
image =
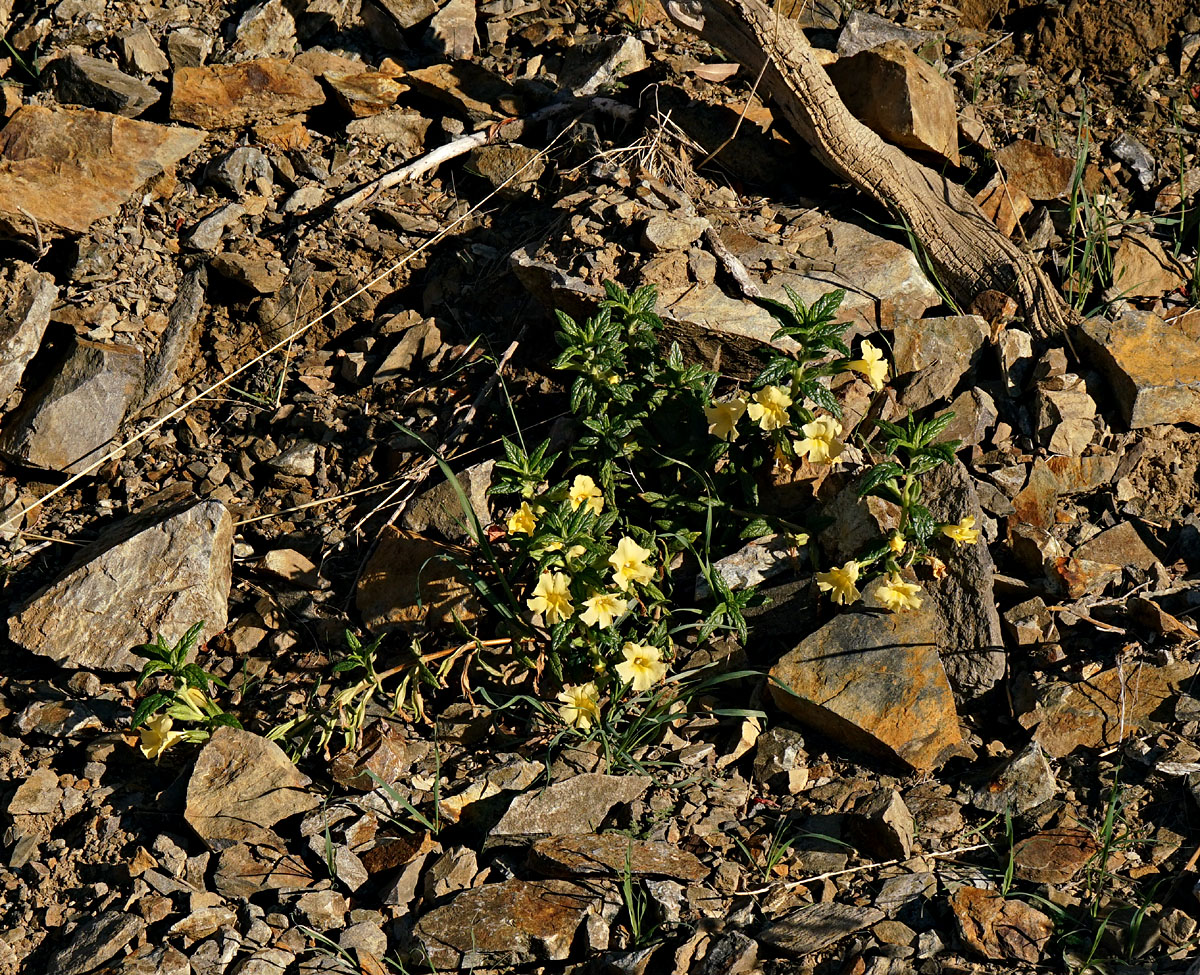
(968, 252)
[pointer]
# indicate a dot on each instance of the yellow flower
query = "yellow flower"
(552, 597)
(820, 442)
(157, 736)
(581, 705)
(522, 520)
(601, 608)
(191, 704)
(897, 543)
(964, 533)
(584, 491)
(629, 564)
(897, 594)
(770, 408)
(871, 365)
(840, 582)
(723, 417)
(642, 667)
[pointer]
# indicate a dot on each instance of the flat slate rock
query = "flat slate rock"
(226, 96)
(810, 929)
(26, 297)
(571, 806)
(94, 942)
(610, 854)
(155, 573)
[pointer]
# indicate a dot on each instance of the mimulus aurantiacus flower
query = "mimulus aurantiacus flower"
(871, 365)
(897, 594)
(581, 705)
(584, 491)
(552, 597)
(629, 564)
(723, 417)
(601, 608)
(820, 443)
(642, 667)
(964, 533)
(770, 408)
(522, 520)
(157, 736)
(840, 583)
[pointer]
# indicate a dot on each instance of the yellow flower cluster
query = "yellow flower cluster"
(870, 365)
(840, 583)
(770, 408)
(820, 444)
(964, 533)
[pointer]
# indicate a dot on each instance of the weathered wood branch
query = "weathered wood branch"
(968, 252)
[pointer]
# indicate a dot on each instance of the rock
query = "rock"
(243, 785)
(1023, 784)
(204, 922)
(453, 29)
(975, 416)
(67, 168)
(208, 233)
(1000, 929)
(104, 603)
(366, 93)
(94, 941)
(419, 342)
(467, 87)
(864, 31)
(1143, 269)
(598, 61)
(1102, 710)
(1120, 546)
(1066, 415)
(515, 776)
(935, 353)
(403, 129)
(291, 566)
(571, 806)
(901, 97)
(672, 231)
(266, 961)
(240, 170)
(1136, 156)
(1016, 359)
(1153, 365)
(753, 564)
(82, 80)
(517, 922)
(73, 418)
(179, 340)
(440, 508)
(188, 47)
(875, 683)
(26, 297)
(815, 927)
(780, 753)
(511, 168)
(1003, 204)
(227, 96)
(610, 854)
(140, 51)
(265, 30)
(1053, 856)
(299, 460)
(408, 13)
(323, 910)
(1036, 170)
(263, 276)
(882, 826)
(38, 795)
(407, 579)
(243, 871)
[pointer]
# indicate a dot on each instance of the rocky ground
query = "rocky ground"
(225, 299)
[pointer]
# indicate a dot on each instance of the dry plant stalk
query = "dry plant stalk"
(968, 252)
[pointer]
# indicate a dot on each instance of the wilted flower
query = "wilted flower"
(581, 705)
(897, 594)
(897, 543)
(629, 564)
(770, 408)
(157, 736)
(584, 491)
(820, 443)
(522, 520)
(871, 365)
(840, 582)
(601, 608)
(642, 667)
(723, 417)
(552, 597)
(964, 533)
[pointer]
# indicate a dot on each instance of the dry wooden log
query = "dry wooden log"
(968, 252)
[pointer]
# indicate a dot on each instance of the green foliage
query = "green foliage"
(188, 697)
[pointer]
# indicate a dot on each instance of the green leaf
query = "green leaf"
(878, 475)
(932, 428)
(921, 523)
(148, 707)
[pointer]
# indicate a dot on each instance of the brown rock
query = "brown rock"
(407, 579)
(1000, 929)
(936, 352)
(1141, 268)
(1053, 856)
(610, 854)
(816, 926)
(874, 682)
(1102, 710)
(83, 80)
(1120, 545)
(502, 925)
(243, 785)
(366, 93)
(1004, 205)
(26, 297)
(1153, 365)
(578, 804)
(901, 97)
(226, 96)
(246, 870)
(67, 168)
(1039, 172)
(453, 29)
(467, 87)
(882, 825)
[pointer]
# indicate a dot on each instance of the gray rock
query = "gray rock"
(39, 794)
(1136, 156)
(179, 341)
(937, 352)
(611, 854)
(323, 910)
(408, 13)
(809, 929)
(598, 61)
(266, 961)
(264, 30)
(188, 47)
(71, 420)
(26, 297)
(732, 954)
(83, 80)
(299, 460)
(672, 231)
(402, 128)
(154, 573)
(969, 637)
(439, 507)
(1022, 784)
(778, 752)
(864, 31)
(571, 806)
(240, 169)
(207, 234)
(453, 29)
(419, 342)
(882, 825)
(140, 51)
(94, 942)
(364, 936)
(753, 564)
